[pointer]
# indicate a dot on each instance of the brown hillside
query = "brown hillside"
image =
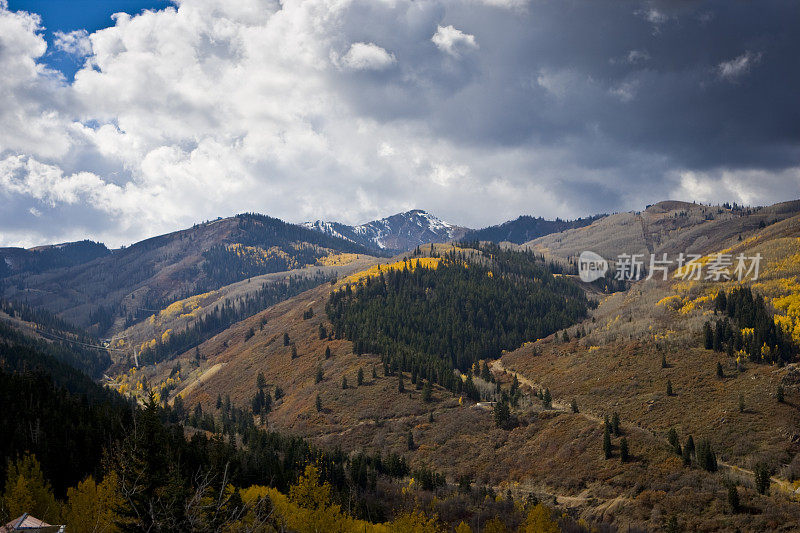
(553, 453)
(670, 227)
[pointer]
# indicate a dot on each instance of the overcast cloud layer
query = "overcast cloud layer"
(350, 110)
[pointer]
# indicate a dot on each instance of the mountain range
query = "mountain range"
(397, 233)
(485, 380)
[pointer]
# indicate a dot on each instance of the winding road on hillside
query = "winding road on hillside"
(782, 484)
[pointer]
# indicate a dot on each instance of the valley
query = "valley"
(414, 355)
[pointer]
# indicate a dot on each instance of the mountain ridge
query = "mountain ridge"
(396, 233)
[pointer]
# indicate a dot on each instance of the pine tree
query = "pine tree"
(360, 378)
(623, 450)
(501, 414)
(427, 391)
(320, 375)
(374, 373)
(410, 441)
(294, 351)
(574, 405)
(733, 498)
(664, 361)
(327, 352)
(779, 394)
(706, 457)
(318, 403)
(688, 450)
(286, 339)
(669, 387)
(762, 478)
(400, 386)
(672, 438)
(607, 442)
(261, 381)
(720, 373)
(547, 399)
(615, 423)
(344, 382)
(708, 335)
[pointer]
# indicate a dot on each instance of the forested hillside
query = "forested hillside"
(48, 333)
(525, 228)
(105, 294)
(42, 258)
(433, 316)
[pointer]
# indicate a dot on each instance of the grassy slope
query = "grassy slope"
(660, 228)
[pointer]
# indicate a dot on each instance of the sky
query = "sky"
(124, 119)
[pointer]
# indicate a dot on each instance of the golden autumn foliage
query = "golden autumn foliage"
(410, 264)
(335, 259)
(414, 522)
(90, 506)
(308, 507)
(540, 520)
(27, 491)
(186, 307)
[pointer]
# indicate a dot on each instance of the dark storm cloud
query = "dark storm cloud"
(648, 86)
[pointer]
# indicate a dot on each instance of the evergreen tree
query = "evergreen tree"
(294, 351)
(623, 450)
(400, 386)
(672, 438)
(669, 387)
(762, 478)
(344, 382)
(410, 441)
(501, 414)
(261, 381)
(706, 457)
(607, 450)
(688, 451)
(374, 373)
(733, 498)
(547, 399)
(327, 352)
(360, 378)
(615, 424)
(574, 405)
(320, 375)
(779, 394)
(318, 403)
(720, 373)
(427, 392)
(664, 361)
(286, 341)
(708, 335)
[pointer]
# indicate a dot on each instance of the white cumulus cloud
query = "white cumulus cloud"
(453, 41)
(367, 56)
(76, 42)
